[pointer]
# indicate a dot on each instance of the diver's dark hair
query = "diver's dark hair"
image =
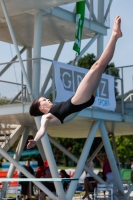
(34, 108)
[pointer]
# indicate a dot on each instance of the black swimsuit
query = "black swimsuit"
(63, 109)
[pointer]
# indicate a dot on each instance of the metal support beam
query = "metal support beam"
(82, 159)
(111, 159)
(8, 65)
(36, 67)
(48, 92)
(50, 70)
(16, 47)
(17, 155)
(2, 131)
(29, 68)
(115, 151)
(39, 146)
(89, 8)
(108, 9)
(99, 46)
(53, 167)
(94, 153)
(15, 135)
(129, 191)
(37, 53)
(72, 157)
(28, 174)
(100, 20)
(17, 95)
(122, 93)
(86, 47)
(70, 17)
(49, 75)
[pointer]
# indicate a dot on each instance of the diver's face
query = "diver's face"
(45, 104)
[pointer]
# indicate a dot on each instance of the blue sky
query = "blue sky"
(124, 49)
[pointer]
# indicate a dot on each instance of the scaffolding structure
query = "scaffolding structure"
(31, 25)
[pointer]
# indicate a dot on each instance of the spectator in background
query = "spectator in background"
(49, 185)
(91, 167)
(41, 169)
(63, 174)
(25, 185)
(103, 159)
(89, 187)
(89, 180)
(132, 172)
(132, 165)
(46, 164)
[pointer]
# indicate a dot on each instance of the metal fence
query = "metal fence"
(12, 85)
(11, 92)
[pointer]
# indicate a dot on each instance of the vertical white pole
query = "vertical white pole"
(53, 167)
(100, 20)
(39, 145)
(29, 68)
(22, 88)
(122, 93)
(37, 53)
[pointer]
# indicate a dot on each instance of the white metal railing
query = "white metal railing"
(20, 92)
(122, 81)
(130, 97)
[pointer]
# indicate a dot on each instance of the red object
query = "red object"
(46, 163)
(106, 167)
(3, 174)
(40, 171)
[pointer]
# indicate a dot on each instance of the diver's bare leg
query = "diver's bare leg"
(91, 80)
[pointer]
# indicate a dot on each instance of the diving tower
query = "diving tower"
(30, 25)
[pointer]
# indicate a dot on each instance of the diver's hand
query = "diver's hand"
(31, 143)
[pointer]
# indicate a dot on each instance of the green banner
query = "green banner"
(80, 12)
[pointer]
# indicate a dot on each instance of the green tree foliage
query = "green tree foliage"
(75, 146)
(87, 61)
(4, 101)
(125, 148)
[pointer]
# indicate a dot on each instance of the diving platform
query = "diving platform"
(58, 24)
(123, 123)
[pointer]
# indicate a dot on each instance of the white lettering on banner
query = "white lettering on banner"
(68, 78)
(63, 80)
(79, 79)
(104, 83)
(103, 102)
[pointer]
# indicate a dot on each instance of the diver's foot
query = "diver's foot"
(117, 27)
